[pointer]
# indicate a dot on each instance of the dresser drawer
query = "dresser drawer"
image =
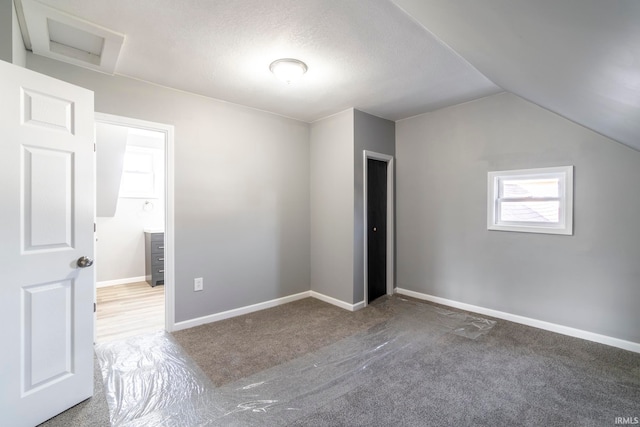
(157, 278)
(157, 237)
(157, 259)
(157, 247)
(154, 258)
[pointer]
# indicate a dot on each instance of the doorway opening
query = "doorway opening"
(379, 225)
(134, 227)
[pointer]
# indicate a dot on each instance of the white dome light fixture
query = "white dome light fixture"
(288, 69)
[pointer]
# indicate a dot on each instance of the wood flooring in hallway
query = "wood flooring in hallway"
(129, 309)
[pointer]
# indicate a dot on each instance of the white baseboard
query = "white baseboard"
(263, 305)
(540, 324)
(337, 302)
(106, 283)
(240, 311)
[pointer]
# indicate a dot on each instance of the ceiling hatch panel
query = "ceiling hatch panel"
(58, 35)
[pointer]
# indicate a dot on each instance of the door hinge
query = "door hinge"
(94, 147)
(94, 307)
(94, 227)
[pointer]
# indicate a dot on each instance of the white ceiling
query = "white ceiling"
(361, 53)
(578, 58)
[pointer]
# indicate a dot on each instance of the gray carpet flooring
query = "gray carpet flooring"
(421, 365)
(241, 346)
(513, 376)
(91, 412)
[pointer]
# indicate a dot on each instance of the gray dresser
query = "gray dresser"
(154, 258)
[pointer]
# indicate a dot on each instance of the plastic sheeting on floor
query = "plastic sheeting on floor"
(149, 380)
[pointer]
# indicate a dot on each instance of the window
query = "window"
(139, 173)
(531, 200)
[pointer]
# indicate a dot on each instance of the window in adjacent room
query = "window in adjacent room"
(531, 200)
(139, 174)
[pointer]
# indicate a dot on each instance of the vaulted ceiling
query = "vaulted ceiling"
(394, 59)
(577, 58)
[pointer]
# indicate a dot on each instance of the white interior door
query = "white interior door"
(46, 225)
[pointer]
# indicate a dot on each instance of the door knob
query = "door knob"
(84, 262)
(375, 228)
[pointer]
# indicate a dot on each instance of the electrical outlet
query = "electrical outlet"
(198, 284)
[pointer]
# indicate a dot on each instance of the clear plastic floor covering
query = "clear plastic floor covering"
(150, 380)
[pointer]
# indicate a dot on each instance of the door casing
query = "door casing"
(366, 154)
(169, 254)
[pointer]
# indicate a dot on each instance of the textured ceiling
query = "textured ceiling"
(577, 58)
(366, 54)
(393, 59)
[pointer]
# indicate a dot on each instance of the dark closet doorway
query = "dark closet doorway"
(377, 229)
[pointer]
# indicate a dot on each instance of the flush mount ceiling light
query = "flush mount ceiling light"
(288, 69)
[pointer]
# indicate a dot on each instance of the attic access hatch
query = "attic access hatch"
(57, 35)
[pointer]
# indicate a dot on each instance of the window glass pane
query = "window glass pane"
(530, 211)
(138, 162)
(517, 188)
(133, 182)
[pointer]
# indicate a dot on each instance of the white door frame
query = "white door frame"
(390, 221)
(169, 256)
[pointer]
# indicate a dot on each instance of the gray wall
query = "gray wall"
(18, 52)
(111, 144)
(120, 247)
(241, 190)
(6, 31)
(11, 45)
(332, 158)
(372, 134)
(588, 281)
(337, 238)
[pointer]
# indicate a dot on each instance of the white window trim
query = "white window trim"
(565, 224)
